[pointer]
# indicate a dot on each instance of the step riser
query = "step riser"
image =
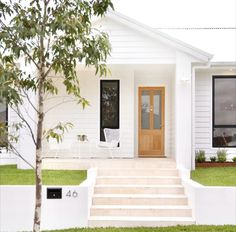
(115, 223)
(143, 165)
(139, 201)
(152, 181)
(138, 190)
(142, 212)
(137, 172)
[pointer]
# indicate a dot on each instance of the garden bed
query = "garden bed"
(215, 164)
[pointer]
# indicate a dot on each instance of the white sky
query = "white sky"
(189, 13)
(180, 13)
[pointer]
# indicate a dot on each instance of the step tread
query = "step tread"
(140, 207)
(138, 177)
(138, 185)
(139, 196)
(132, 218)
(138, 168)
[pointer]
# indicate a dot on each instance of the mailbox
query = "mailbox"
(54, 193)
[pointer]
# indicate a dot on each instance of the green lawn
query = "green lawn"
(10, 175)
(158, 229)
(220, 176)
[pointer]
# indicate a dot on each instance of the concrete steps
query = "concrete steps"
(139, 189)
(139, 199)
(138, 172)
(102, 221)
(139, 196)
(143, 180)
(141, 210)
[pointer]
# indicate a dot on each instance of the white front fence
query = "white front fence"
(72, 210)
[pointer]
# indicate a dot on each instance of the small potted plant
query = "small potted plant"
(82, 137)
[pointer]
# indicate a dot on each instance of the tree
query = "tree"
(51, 36)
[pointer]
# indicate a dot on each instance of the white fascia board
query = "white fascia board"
(160, 36)
(223, 64)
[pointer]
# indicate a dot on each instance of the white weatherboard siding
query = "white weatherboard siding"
(87, 121)
(162, 76)
(130, 46)
(203, 111)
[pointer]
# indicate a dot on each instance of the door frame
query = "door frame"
(162, 88)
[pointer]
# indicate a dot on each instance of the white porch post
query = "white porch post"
(183, 111)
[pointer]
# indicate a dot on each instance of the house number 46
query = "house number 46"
(73, 194)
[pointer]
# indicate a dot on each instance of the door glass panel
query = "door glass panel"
(157, 109)
(145, 116)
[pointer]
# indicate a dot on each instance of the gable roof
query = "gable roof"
(160, 36)
(219, 41)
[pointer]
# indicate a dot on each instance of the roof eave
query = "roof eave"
(179, 45)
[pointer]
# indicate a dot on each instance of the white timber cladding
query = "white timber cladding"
(203, 111)
(130, 46)
(87, 121)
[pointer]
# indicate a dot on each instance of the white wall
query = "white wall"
(183, 115)
(17, 206)
(203, 113)
(211, 205)
(130, 46)
(161, 76)
(87, 121)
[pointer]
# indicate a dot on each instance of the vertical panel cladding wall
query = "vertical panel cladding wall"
(87, 121)
(163, 76)
(203, 112)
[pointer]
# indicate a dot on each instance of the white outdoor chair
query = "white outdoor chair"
(112, 139)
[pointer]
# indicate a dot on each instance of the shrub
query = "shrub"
(213, 159)
(221, 155)
(200, 156)
(234, 159)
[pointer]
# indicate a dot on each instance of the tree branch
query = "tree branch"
(53, 107)
(27, 124)
(19, 45)
(17, 153)
(30, 102)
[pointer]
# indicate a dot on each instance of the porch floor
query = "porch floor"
(81, 164)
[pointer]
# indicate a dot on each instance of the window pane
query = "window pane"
(224, 137)
(109, 106)
(225, 101)
(145, 117)
(157, 109)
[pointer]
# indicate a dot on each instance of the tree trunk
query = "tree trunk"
(38, 169)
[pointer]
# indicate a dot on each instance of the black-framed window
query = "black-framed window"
(224, 111)
(3, 121)
(109, 105)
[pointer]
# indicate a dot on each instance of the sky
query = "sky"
(189, 13)
(180, 13)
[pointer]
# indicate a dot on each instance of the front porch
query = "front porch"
(177, 93)
(85, 164)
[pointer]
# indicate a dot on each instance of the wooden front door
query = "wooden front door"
(151, 121)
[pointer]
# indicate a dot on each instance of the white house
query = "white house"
(167, 98)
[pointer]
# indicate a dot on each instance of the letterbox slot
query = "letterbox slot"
(54, 193)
